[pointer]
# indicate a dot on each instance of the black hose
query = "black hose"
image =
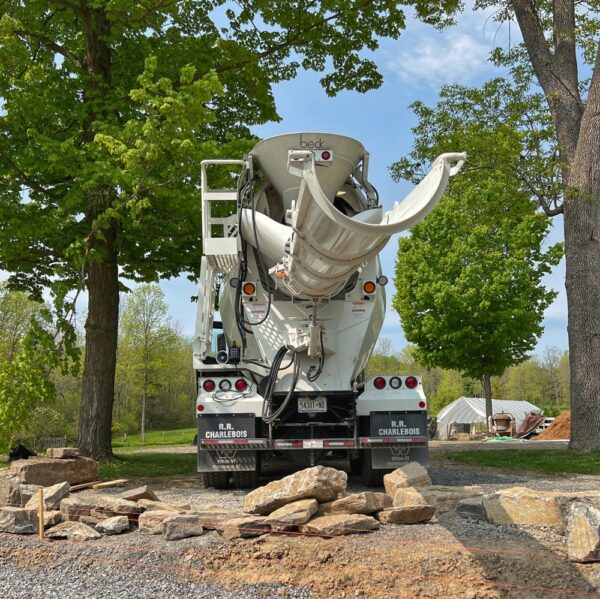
(314, 373)
(267, 415)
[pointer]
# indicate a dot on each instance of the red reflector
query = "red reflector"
(411, 382)
(200, 408)
(241, 385)
(209, 385)
(379, 382)
(325, 155)
(422, 404)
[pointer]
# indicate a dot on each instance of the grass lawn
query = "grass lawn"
(181, 436)
(149, 465)
(551, 460)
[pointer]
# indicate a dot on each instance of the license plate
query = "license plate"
(312, 405)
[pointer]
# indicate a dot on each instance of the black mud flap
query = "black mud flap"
(399, 424)
(220, 427)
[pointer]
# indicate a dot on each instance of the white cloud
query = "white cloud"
(437, 58)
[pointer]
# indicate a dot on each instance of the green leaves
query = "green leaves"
(469, 290)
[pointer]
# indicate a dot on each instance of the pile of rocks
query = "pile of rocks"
(576, 515)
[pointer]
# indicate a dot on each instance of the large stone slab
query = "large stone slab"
(520, 505)
(320, 483)
(18, 520)
(152, 522)
(115, 506)
(292, 514)
(214, 518)
(27, 492)
(143, 492)
(62, 453)
(52, 518)
(182, 526)
(583, 532)
(49, 471)
(52, 496)
(340, 524)
(154, 505)
(113, 526)
(409, 475)
(367, 502)
(74, 531)
(410, 514)
(245, 527)
(75, 507)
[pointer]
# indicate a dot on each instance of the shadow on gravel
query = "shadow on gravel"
(517, 564)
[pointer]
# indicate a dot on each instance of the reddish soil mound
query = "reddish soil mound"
(559, 429)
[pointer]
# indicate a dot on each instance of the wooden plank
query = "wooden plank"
(120, 482)
(84, 486)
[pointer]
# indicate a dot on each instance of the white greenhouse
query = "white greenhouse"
(461, 414)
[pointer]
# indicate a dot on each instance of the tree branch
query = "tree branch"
(51, 45)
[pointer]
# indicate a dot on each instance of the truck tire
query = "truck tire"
(369, 476)
(244, 479)
(216, 480)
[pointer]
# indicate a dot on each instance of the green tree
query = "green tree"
(469, 290)
(108, 106)
(144, 328)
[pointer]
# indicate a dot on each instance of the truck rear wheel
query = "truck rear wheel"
(369, 476)
(244, 479)
(217, 480)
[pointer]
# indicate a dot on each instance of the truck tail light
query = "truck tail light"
(241, 385)
(200, 408)
(411, 382)
(422, 404)
(209, 385)
(379, 382)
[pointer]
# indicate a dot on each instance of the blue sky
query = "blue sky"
(414, 68)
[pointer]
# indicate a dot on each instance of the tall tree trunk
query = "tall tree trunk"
(486, 381)
(101, 329)
(95, 415)
(582, 252)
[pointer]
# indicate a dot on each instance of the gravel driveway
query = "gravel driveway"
(449, 557)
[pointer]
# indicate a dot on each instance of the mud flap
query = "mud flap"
(399, 424)
(219, 427)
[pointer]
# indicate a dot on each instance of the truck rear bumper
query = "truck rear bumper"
(266, 444)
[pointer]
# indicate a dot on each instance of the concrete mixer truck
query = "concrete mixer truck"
(290, 265)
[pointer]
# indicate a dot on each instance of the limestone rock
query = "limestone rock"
(52, 518)
(367, 502)
(113, 526)
(140, 493)
(440, 496)
(152, 504)
(583, 532)
(115, 506)
(245, 527)
(18, 520)
(9, 491)
(52, 496)
(340, 524)
(320, 483)
(75, 507)
(213, 519)
(62, 453)
(27, 492)
(410, 514)
(152, 522)
(97, 514)
(472, 507)
(409, 475)
(74, 531)
(520, 505)
(292, 514)
(49, 471)
(182, 526)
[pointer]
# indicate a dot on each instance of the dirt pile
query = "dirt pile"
(559, 429)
